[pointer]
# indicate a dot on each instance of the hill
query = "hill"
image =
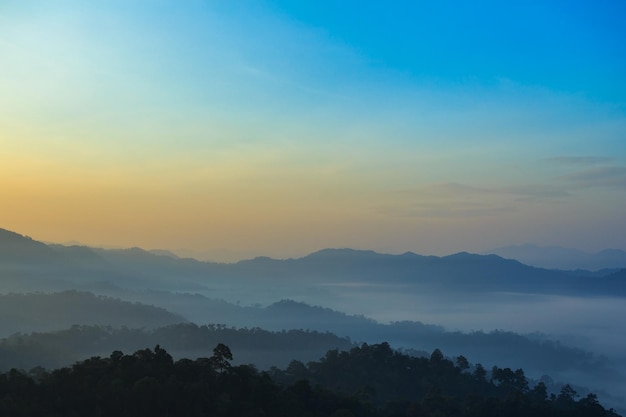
(28, 265)
(251, 345)
(87, 325)
(368, 381)
(45, 312)
(555, 257)
(342, 291)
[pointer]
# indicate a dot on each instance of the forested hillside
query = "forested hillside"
(371, 380)
(251, 346)
(57, 329)
(46, 312)
(59, 304)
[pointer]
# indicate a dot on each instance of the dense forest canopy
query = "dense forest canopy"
(60, 304)
(368, 380)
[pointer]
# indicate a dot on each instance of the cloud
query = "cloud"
(459, 189)
(459, 200)
(578, 160)
(611, 176)
(445, 190)
(453, 190)
(535, 192)
(448, 200)
(456, 210)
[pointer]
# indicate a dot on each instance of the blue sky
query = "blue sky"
(277, 127)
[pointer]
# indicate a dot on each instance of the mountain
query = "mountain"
(457, 273)
(250, 346)
(45, 312)
(37, 266)
(460, 291)
(19, 249)
(164, 252)
(273, 344)
(367, 381)
(555, 257)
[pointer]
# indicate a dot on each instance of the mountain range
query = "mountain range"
(360, 294)
(556, 257)
(54, 267)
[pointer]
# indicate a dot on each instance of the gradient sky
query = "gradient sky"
(283, 127)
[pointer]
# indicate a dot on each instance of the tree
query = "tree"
(221, 357)
(509, 380)
(480, 374)
(566, 397)
(539, 394)
(436, 356)
(462, 363)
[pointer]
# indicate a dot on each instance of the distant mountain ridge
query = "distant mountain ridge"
(57, 267)
(556, 257)
(45, 312)
(19, 248)
(350, 287)
(105, 323)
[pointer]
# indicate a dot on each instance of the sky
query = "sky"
(279, 128)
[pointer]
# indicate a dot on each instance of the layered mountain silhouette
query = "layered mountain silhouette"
(59, 327)
(555, 257)
(56, 311)
(54, 267)
(60, 286)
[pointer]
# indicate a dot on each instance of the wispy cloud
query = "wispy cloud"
(445, 189)
(457, 200)
(457, 210)
(283, 80)
(535, 192)
(578, 160)
(611, 176)
(455, 190)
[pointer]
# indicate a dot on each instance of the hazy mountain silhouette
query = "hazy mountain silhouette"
(73, 315)
(164, 252)
(257, 346)
(247, 294)
(44, 312)
(556, 257)
(53, 266)
(19, 249)
(461, 272)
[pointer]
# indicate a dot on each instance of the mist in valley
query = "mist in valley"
(590, 323)
(64, 303)
(288, 181)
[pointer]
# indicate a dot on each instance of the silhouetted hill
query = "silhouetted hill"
(250, 345)
(276, 348)
(19, 249)
(385, 286)
(366, 381)
(43, 312)
(163, 252)
(555, 257)
(137, 268)
(461, 272)
(618, 275)
(538, 354)
(446, 387)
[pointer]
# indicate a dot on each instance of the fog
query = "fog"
(570, 322)
(591, 321)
